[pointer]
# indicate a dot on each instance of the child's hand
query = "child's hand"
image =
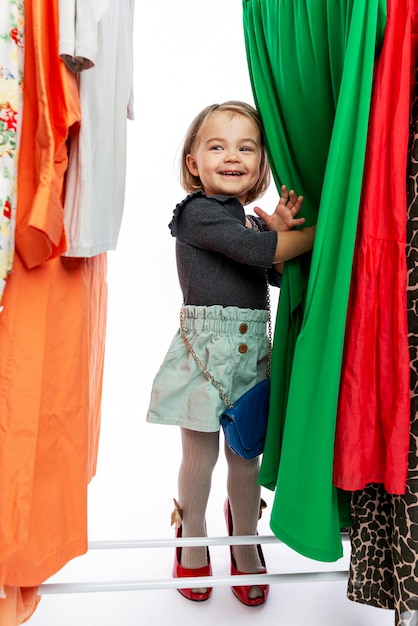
(284, 216)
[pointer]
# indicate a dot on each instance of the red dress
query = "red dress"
(372, 433)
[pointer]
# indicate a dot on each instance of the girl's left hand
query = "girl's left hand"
(285, 214)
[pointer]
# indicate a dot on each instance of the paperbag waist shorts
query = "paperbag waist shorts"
(232, 343)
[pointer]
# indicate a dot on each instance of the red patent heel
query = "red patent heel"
(242, 591)
(184, 572)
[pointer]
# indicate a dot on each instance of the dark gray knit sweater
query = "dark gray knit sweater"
(219, 260)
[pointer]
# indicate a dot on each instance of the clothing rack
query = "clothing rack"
(203, 581)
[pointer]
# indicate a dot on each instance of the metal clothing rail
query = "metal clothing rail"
(175, 583)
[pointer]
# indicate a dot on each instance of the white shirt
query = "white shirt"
(95, 184)
(78, 31)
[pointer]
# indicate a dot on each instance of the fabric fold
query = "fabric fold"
(311, 67)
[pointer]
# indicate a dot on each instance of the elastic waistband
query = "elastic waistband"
(228, 320)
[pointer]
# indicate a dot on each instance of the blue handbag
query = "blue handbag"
(245, 422)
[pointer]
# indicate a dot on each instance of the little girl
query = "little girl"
(222, 258)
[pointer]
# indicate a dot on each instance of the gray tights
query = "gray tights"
(200, 454)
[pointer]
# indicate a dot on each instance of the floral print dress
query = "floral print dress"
(11, 86)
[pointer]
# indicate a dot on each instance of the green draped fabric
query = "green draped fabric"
(311, 68)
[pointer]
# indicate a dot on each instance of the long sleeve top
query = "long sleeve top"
(219, 260)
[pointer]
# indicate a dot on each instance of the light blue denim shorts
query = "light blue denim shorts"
(233, 345)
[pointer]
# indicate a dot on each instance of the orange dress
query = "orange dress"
(52, 333)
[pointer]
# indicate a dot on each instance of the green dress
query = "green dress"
(311, 69)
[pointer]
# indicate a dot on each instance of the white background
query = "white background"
(188, 54)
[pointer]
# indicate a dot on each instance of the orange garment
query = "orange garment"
(52, 333)
(50, 107)
(18, 606)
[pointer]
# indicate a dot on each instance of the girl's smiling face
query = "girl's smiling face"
(226, 155)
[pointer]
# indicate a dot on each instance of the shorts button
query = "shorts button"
(243, 328)
(242, 348)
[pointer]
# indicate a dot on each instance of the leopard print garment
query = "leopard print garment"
(384, 536)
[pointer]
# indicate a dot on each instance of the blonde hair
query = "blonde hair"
(193, 183)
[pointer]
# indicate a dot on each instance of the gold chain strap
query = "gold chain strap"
(202, 365)
(270, 334)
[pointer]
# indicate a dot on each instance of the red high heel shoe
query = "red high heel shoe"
(184, 572)
(242, 591)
